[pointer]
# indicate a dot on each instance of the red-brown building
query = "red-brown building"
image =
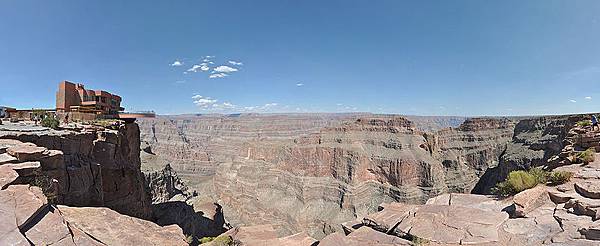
(73, 97)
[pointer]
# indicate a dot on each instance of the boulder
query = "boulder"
(588, 189)
(483, 202)
(29, 201)
(385, 220)
(362, 236)
(528, 200)
(49, 230)
(351, 226)
(7, 176)
(7, 143)
(27, 169)
(112, 228)
(453, 225)
(592, 232)
(559, 197)
(6, 158)
(27, 152)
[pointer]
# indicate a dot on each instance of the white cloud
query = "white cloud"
(225, 69)
(176, 63)
(236, 63)
(588, 98)
(223, 106)
(199, 68)
(573, 101)
(300, 84)
(218, 75)
(204, 102)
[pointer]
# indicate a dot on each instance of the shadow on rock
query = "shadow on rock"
(207, 223)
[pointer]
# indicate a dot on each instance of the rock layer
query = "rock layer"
(91, 167)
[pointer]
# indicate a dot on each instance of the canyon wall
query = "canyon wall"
(93, 167)
(77, 186)
(310, 173)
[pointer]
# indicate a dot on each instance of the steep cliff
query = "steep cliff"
(75, 187)
(93, 166)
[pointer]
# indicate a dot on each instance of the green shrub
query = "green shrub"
(540, 175)
(584, 123)
(559, 177)
(108, 123)
(521, 180)
(50, 122)
(418, 241)
(516, 182)
(587, 156)
(206, 239)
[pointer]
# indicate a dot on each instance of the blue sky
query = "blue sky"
(392, 56)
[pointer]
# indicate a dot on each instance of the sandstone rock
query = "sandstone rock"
(588, 189)
(528, 200)
(52, 160)
(584, 206)
(7, 143)
(482, 202)
(387, 219)
(351, 226)
(9, 230)
(86, 175)
(335, 239)
(298, 239)
(112, 228)
(28, 200)
(591, 232)
(26, 169)
(50, 229)
(253, 235)
(6, 158)
(362, 236)
(7, 176)
(453, 225)
(558, 196)
(27, 152)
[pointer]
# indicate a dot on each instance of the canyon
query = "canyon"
(313, 173)
(298, 179)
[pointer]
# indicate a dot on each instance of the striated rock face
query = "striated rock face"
(91, 167)
(534, 143)
(164, 184)
(172, 204)
(468, 151)
(349, 170)
(312, 173)
(28, 215)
